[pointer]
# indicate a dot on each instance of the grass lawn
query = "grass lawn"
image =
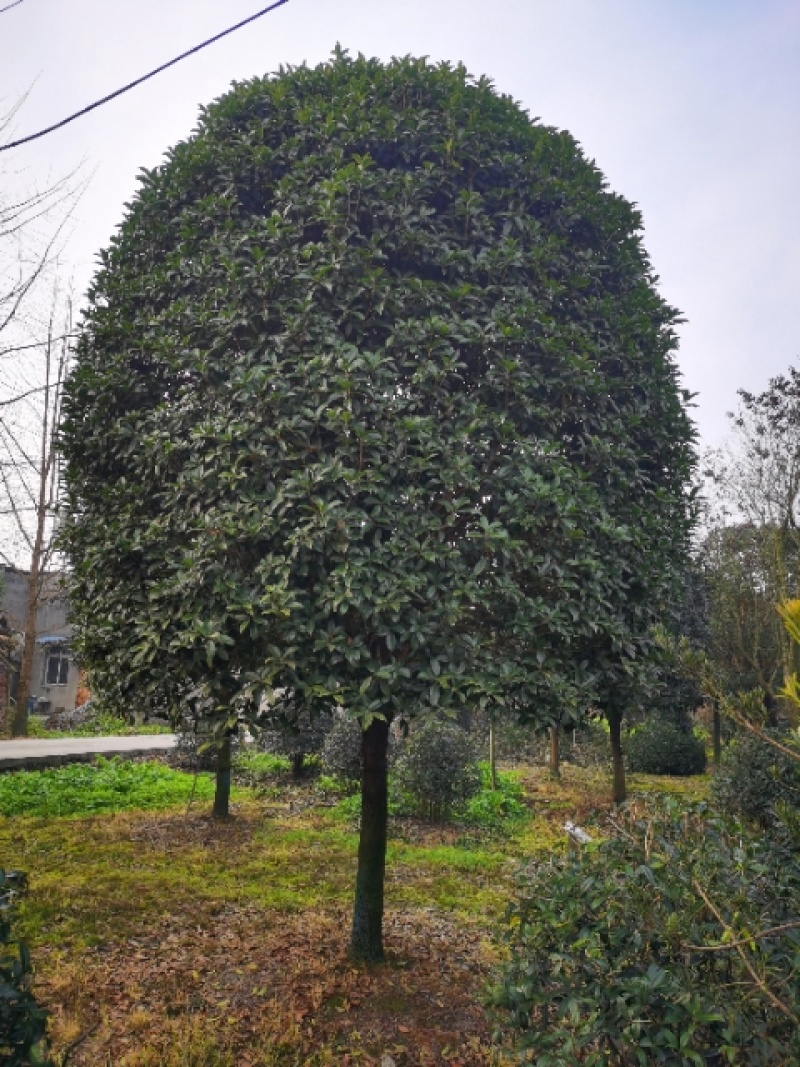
(163, 939)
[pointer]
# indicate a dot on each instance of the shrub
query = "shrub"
(497, 809)
(291, 730)
(22, 1022)
(660, 747)
(341, 751)
(438, 768)
(651, 948)
(754, 779)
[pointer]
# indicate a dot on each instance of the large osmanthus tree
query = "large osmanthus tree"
(374, 402)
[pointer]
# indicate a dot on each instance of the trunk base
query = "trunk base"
(555, 753)
(366, 938)
(222, 790)
(620, 789)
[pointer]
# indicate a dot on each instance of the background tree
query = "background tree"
(30, 476)
(374, 401)
(746, 642)
(35, 324)
(751, 554)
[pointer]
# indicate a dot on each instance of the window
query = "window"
(56, 668)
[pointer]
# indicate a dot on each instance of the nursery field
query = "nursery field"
(161, 937)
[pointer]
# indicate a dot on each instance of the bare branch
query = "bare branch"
(737, 946)
(725, 946)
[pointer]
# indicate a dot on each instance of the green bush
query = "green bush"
(660, 747)
(652, 948)
(290, 729)
(22, 1022)
(438, 768)
(498, 809)
(755, 779)
(341, 751)
(89, 788)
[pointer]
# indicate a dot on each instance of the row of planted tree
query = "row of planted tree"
(374, 403)
(391, 462)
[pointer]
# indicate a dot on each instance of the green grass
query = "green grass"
(254, 764)
(105, 866)
(500, 811)
(91, 788)
(108, 872)
(102, 725)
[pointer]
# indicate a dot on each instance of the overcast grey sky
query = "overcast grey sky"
(690, 107)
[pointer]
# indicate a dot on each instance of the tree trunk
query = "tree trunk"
(555, 753)
(298, 762)
(492, 754)
(222, 791)
(41, 544)
(716, 728)
(19, 720)
(366, 941)
(619, 790)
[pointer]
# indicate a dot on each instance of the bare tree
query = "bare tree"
(32, 232)
(31, 480)
(35, 326)
(752, 548)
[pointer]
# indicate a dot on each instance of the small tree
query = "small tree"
(747, 643)
(374, 402)
(438, 768)
(33, 352)
(31, 480)
(289, 728)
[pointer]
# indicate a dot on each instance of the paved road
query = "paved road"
(30, 753)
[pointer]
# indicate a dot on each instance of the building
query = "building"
(54, 682)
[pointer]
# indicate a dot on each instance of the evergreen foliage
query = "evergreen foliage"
(23, 1024)
(289, 728)
(341, 749)
(661, 747)
(675, 942)
(438, 768)
(375, 401)
(755, 779)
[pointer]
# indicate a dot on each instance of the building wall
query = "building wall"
(52, 623)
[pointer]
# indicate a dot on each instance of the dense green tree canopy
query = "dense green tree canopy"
(374, 400)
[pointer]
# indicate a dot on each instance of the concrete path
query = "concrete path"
(28, 754)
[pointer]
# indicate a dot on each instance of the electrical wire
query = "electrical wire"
(144, 78)
(9, 6)
(22, 396)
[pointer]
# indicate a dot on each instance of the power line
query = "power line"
(144, 78)
(9, 6)
(30, 392)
